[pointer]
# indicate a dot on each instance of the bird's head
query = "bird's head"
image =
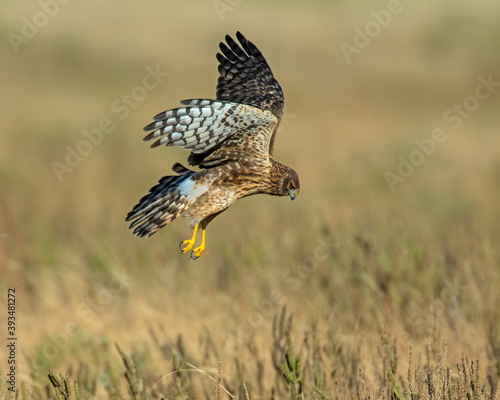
(283, 181)
(290, 184)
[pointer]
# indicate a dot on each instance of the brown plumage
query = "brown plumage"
(231, 140)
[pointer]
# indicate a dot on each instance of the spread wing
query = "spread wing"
(209, 128)
(249, 104)
(200, 127)
(245, 77)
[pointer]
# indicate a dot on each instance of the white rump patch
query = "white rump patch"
(192, 189)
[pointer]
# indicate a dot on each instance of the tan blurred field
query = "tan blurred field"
(365, 271)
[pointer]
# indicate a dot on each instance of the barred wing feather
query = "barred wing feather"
(204, 124)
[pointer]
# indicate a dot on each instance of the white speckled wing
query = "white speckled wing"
(205, 124)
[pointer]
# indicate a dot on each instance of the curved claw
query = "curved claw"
(188, 243)
(192, 257)
(198, 251)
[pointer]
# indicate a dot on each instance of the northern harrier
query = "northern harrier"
(231, 140)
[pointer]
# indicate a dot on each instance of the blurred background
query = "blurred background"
(392, 122)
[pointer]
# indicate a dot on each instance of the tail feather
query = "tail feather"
(164, 202)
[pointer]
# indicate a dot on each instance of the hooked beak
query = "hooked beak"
(293, 193)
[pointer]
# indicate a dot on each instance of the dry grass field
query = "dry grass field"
(382, 280)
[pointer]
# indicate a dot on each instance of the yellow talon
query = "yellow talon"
(198, 251)
(188, 243)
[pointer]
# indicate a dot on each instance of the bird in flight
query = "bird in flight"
(231, 140)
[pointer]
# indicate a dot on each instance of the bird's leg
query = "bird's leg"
(186, 245)
(198, 251)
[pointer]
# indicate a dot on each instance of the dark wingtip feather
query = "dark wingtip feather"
(149, 137)
(149, 127)
(231, 52)
(156, 144)
(230, 41)
(222, 47)
(246, 77)
(159, 116)
(240, 37)
(220, 57)
(180, 169)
